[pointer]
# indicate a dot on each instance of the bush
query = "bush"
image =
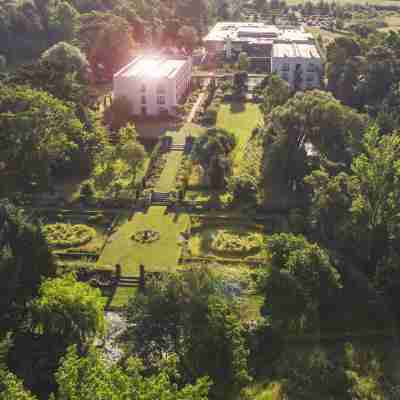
(210, 116)
(96, 218)
(243, 188)
(235, 244)
(87, 192)
(67, 235)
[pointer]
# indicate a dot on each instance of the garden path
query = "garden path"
(163, 254)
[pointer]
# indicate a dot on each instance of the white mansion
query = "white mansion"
(153, 84)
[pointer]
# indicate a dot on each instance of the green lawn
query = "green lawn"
(160, 255)
(166, 182)
(121, 296)
(240, 119)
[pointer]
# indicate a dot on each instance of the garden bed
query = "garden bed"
(75, 235)
(243, 241)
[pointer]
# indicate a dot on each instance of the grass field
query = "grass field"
(240, 119)
(122, 296)
(161, 255)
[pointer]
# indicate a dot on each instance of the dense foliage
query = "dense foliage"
(190, 316)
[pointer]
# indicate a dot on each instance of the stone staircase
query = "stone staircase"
(176, 147)
(160, 199)
(128, 281)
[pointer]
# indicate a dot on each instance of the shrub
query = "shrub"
(87, 192)
(68, 235)
(210, 116)
(96, 218)
(243, 188)
(235, 244)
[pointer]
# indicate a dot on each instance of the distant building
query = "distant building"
(154, 84)
(297, 63)
(290, 52)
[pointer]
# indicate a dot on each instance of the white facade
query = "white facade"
(153, 84)
(297, 63)
(290, 52)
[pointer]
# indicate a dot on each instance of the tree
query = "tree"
(68, 309)
(190, 316)
(119, 113)
(364, 204)
(276, 93)
(65, 57)
(244, 188)
(63, 22)
(90, 378)
(3, 63)
(240, 80)
(188, 36)
(40, 136)
(25, 259)
(344, 64)
(11, 388)
(212, 151)
(243, 61)
(302, 281)
(309, 126)
(107, 41)
(117, 165)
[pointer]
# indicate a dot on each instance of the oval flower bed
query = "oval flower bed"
(146, 236)
(235, 244)
(68, 235)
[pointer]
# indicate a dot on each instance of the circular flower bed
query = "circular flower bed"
(146, 236)
(234, 243)
(68, 235)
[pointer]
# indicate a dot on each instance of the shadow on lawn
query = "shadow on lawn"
(237, 107)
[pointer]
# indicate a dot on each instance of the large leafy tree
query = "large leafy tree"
(90, 378)
(107, 41)
(40, 136)
(301, 282)
(358, 211)
(117, 166)
(189, 316)
(344, 64)
(309, 127)
(69, 309)
(25, 259)
(65, 57)
(11, 388)
(212, 151)
(276, 93)
(65, 312)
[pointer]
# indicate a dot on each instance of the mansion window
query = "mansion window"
(143, 99)
(285, 67)
(310, 78)
(310, 68)
(160, 99)
(285, 76)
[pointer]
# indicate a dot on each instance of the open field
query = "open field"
(240, 119)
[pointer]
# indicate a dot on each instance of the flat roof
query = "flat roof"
(238, 31)
(295, 50)
(296, 35)
(152, 67)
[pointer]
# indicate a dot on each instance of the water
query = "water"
(116, 326)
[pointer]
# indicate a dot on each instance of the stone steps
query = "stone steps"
(176, 147)
(160, 198)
